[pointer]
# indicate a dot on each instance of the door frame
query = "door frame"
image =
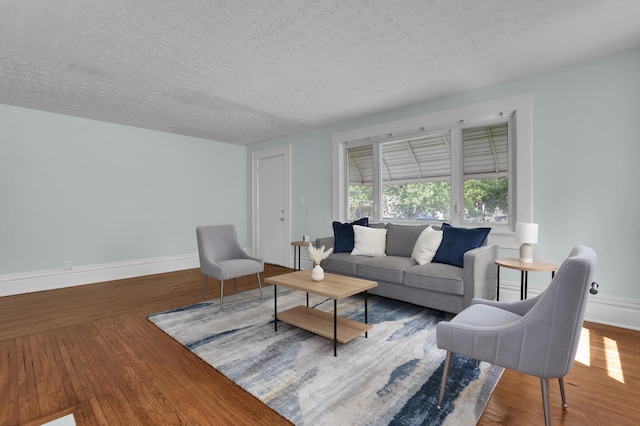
(256, 156)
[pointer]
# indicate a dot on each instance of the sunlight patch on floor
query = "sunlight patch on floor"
(583, 356)
(612, 357)
(614, 366)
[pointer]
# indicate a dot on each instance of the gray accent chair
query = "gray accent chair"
(537, 336)
(223, 258)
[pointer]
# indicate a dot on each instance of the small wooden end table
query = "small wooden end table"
(336, 287)
(524, 268)
(299, 244)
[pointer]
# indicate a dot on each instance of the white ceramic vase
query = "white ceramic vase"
(317, 273)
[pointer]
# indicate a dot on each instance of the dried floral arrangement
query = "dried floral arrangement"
(317, 254)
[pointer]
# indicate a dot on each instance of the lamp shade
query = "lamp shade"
(526, 232)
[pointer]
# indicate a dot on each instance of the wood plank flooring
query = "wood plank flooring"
(90, 351)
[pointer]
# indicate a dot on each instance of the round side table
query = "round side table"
(524, 268)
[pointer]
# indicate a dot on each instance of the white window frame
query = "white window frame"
(518, 107)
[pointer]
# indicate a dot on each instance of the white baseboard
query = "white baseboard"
(51, 279)
(601, 309)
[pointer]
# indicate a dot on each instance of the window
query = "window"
(416, 176)
(360, 171)
(467, 172)
(486, 173)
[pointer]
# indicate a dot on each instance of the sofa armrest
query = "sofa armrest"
(479, 273)
(327, 242)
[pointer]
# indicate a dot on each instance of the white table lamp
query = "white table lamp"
(527, 234)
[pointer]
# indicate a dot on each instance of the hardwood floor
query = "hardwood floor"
(90, 351)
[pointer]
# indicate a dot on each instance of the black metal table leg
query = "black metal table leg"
(498, 285)
(526, 283)
(366, 313)
(521, 285)
(275, 306)
(335, 327)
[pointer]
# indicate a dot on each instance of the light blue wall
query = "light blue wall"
(94, 192)
(586, 146)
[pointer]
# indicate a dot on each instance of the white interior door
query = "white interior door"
(271, 205)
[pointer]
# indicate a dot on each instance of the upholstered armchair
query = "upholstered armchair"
(223, 258)
(537, 336)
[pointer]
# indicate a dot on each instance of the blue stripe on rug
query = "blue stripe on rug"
(208, 339)
(399, 373)
(422, 408)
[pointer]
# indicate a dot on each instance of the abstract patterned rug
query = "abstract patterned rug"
(391, 377)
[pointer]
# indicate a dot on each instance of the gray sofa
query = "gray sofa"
(434, 285)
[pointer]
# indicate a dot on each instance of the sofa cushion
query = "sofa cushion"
(368, 241)
(377, 225)
(343, 233)
(402, 238)
(388, 268)
(457, 241)
(426, 246)
(438, 277)
(342, 263)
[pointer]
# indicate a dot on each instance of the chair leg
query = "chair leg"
(204, 287)
(477, 365)
(260, 286)
(562, 394)
(544, 384)
(445, 374)
(235, 289)
(221, 293)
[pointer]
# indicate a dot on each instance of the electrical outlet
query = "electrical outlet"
(67, 265)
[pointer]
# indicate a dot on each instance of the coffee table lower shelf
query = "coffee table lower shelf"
(321, 323)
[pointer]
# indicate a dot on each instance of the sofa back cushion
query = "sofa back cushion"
(457, 241)
(378, 225)
(427, 245)
(343, 233)
(402, 238)
(369, 241)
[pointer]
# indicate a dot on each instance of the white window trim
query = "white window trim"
(520, 106)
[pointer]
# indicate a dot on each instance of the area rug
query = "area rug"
(391, 377)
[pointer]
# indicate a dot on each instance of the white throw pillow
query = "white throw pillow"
(369, 241)
(426, 246)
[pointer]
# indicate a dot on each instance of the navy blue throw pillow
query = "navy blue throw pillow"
(343, 233)
(457, 241)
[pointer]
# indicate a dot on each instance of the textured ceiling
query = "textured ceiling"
(246, 71)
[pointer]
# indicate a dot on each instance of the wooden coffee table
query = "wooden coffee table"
(322, 323)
